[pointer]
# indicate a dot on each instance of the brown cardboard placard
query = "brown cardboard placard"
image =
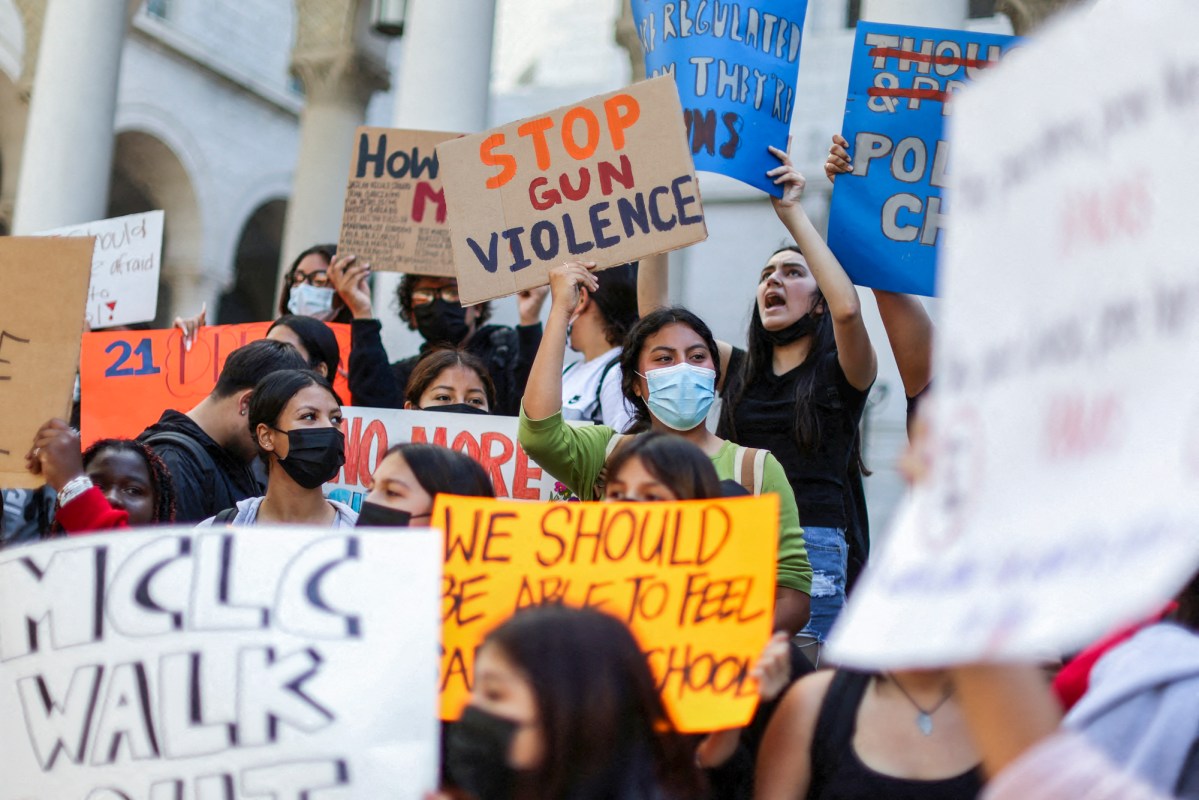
(395, 217)
(41, 321)
(609, 179)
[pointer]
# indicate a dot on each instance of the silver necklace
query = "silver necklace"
(924, 717)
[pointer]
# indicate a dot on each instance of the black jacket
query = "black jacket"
(507, 352)
(208, 478)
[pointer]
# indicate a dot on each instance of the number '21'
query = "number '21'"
(143, 349)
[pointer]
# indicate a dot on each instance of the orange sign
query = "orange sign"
(128, 378)
(694, 580)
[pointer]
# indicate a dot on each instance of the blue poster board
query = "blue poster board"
(735, 64)
(887, 215)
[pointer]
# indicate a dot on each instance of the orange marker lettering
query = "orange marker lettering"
(537, 128)
(506, 161)
(622, 112)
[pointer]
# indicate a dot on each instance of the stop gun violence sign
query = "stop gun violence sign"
(608, 180)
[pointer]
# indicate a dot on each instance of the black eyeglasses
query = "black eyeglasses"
(319, 278)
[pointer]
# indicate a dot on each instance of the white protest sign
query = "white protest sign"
(490, 440)
(125, 268)
(1064, 494)
(220, 665)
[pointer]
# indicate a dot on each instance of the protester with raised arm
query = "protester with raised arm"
(669, 374)
(430, 305)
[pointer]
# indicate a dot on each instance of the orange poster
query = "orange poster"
(694, 580)
(128, 378)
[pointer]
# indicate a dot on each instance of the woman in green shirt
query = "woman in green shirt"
(670, 371)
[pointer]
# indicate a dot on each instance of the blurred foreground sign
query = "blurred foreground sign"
(1064, 496)
(224, 664)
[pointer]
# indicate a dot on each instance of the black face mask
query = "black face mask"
(476, 754)
(313, 455)
(441, 322)
(373, 515)
(457, 408)
(794, 332)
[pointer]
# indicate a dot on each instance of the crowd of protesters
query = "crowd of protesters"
(564, 705)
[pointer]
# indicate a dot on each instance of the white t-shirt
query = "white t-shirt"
(580, 381)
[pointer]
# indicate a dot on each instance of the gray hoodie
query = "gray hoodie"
(1142, 708)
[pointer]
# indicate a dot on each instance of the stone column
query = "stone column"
(626, 36)
(444, 85)
(339, 75)
(67, 158)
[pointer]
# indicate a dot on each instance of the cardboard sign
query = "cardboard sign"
(125, 267)
(41, 319)
(887, 215)
(490, 440)
(736, 65)
(395, 215)
(220, 664)
(693, 580)
(1065, 479)
(128, 378)
(608, 180)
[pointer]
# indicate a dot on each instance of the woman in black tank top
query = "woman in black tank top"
(847, 735)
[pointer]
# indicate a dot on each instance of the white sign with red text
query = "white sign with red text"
(1064, 494)
(490, 440)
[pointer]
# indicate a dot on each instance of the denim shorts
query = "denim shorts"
(829, 554)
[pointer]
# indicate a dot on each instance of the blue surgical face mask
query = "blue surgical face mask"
(680, 396)
(310, 301)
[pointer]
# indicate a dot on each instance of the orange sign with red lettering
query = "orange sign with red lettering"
(694, 580)
(128, 378)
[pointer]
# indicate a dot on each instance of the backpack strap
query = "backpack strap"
(749, 466)
(220, 494)
(226, 517)
(194, 448)
(597, 411)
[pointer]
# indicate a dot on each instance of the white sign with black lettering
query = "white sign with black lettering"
(220, 665)
(125, 267)
(1064, 494)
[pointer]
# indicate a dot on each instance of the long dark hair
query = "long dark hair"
(675, 462)
(616, 300)
(606, 731)
(759, 357)
(630, 357)
(440, 470)
(318, 339)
